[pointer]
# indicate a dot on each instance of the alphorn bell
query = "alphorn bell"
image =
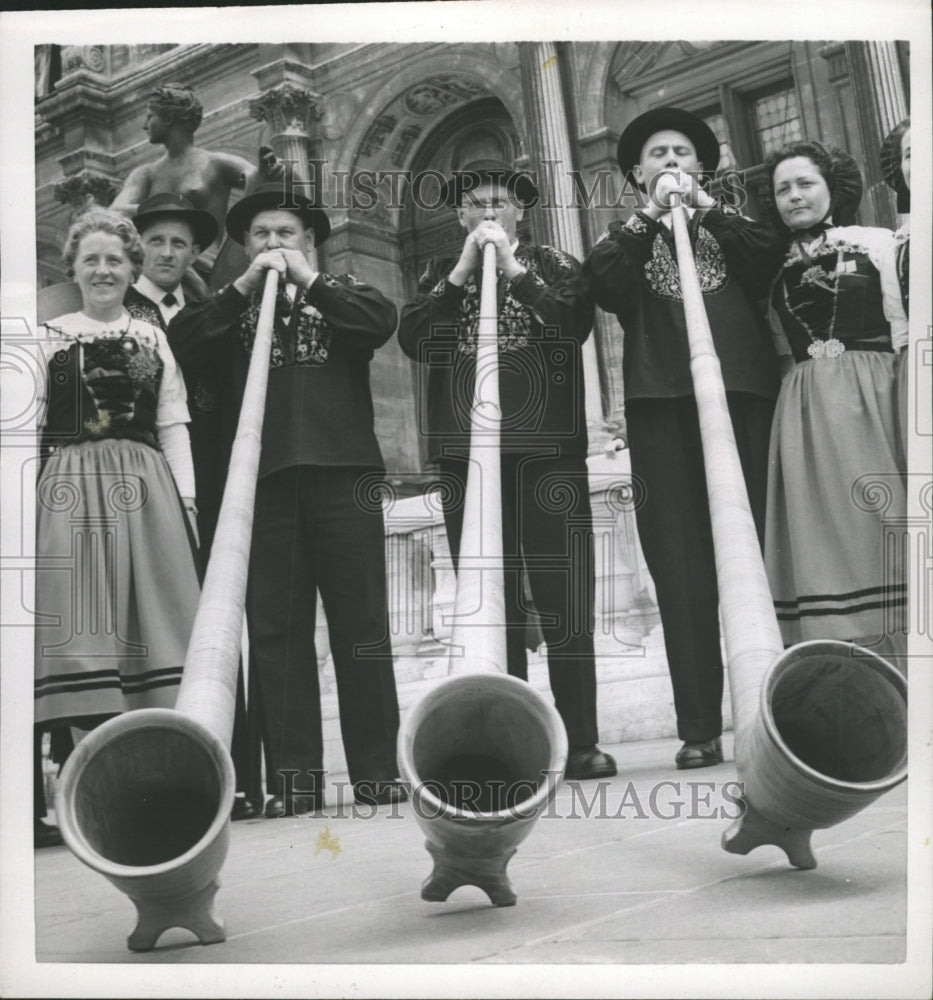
(145, 798)
(820, 728)
(484, 752)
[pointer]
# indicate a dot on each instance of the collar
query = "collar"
(665, 219)
(151, 290)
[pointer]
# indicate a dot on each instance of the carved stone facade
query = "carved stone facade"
(376, 117)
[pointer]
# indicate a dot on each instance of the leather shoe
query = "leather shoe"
(699, 753)
(380, 793)
(299, 805)
(245, 808)
(46, 835)
(589, 762)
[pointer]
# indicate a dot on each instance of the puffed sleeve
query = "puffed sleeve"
(433, 314)
(172, 405)
(892, 300)
(557, 298)
(612, 271)
(357, 312)
(753, 252)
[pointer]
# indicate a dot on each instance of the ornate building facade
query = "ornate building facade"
(362, 121)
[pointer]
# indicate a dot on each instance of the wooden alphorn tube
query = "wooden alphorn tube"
(484, 752)
(820, 728)
(145, 798)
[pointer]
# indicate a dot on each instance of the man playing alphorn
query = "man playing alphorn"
(543, 320)
(633, 273)
(312, 530)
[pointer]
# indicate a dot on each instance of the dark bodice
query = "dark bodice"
(833, 291)
(102, 387)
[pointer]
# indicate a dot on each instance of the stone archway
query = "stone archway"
(433, 118)
(483, 129)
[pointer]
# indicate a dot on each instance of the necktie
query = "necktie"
(169, 300)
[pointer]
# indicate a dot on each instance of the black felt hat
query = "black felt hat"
(517, 183)
(891, 164)
(269, 197)
(639, 130)
(172, 206)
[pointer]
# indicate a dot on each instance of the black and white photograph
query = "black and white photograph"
(467, 500)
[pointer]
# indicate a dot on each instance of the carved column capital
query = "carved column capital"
(84, 190)
(87, 57)
(288, 108)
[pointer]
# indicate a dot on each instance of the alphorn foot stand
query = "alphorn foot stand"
(194, 913)
(752, 830)
(453, 870)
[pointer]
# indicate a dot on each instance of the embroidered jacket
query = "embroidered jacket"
(633, 273)
(319, 408)
(543, 319)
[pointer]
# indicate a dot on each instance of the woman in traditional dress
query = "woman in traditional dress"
(835, 487)
(895, 270)
(116, 586)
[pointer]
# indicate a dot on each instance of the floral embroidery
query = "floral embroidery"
(636, 224)
(831, 348)
(662, 274)
(564, 261)
(312, 337)
(148, 313)
(514, 318)
(144, 367)
(816, 275)
(140, 334)
(828, 248)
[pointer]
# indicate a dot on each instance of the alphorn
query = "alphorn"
(484, 752)
(820, 728)
(145, 798)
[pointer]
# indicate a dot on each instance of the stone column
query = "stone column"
(291, 108)
(291, 111)
(557, 219)
(887, 83)
(881, 102)
(80, 112)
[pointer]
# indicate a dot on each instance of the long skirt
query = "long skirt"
(836, 503)
(116, 585)
(901, 382)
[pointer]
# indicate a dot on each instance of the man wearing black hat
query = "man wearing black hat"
(633, 273)
(312, 529)
(543, 320)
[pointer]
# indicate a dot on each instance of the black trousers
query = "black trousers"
(311, 532)
(676, 538)
(547, 528)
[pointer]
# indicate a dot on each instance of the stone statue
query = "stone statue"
(205, 178)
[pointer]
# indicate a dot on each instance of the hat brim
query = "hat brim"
(518, 184)
(246, 209)
(639, 130)
(203, 225)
